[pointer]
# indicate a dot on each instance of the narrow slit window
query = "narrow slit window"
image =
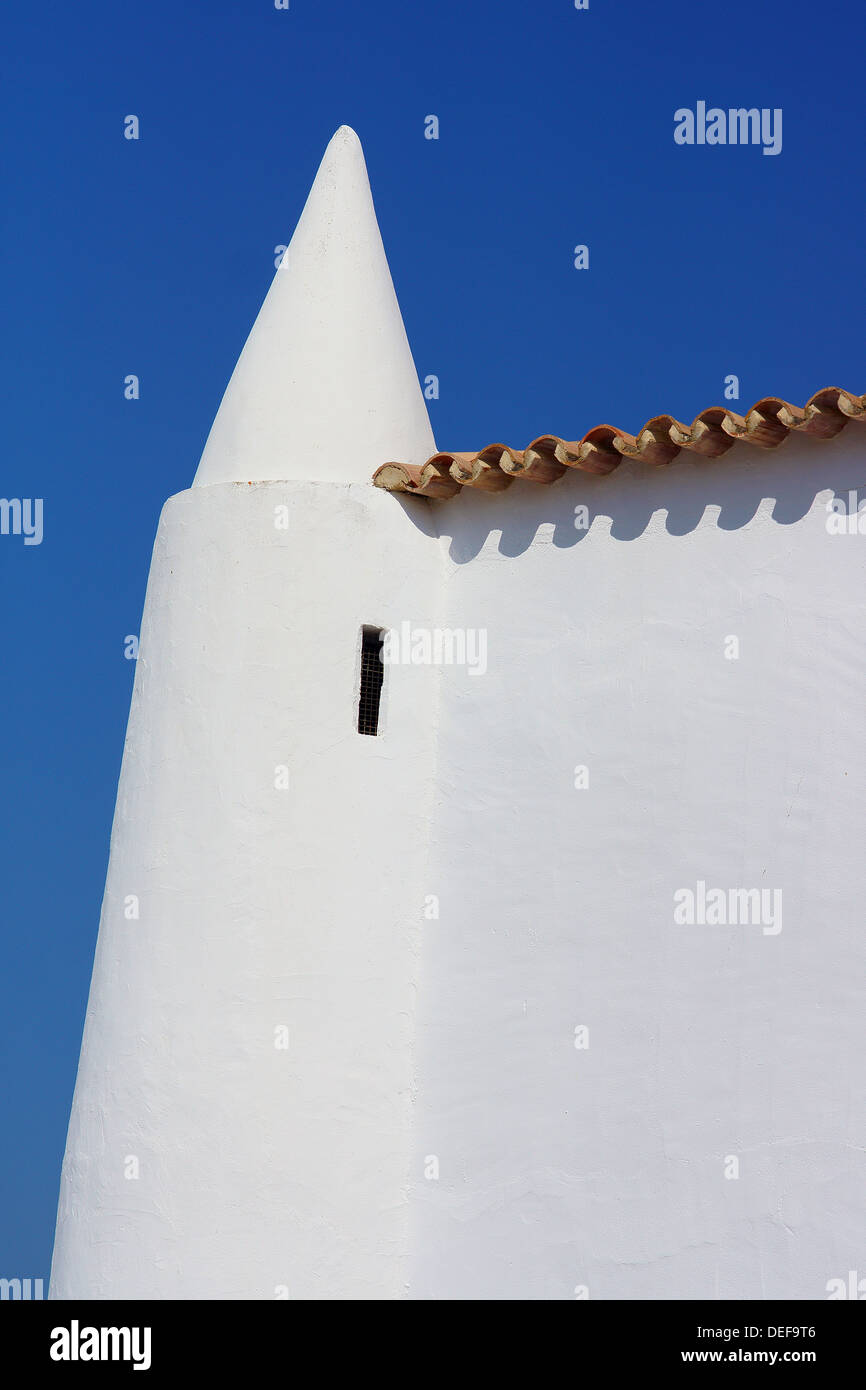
(372, 673)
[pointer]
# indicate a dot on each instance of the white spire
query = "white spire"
(325, 388)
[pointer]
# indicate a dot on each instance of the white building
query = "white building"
(551, 988)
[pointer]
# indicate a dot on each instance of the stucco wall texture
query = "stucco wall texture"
(706, 1136)
(510, 1071)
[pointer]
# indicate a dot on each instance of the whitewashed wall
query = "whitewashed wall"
(260, 1168)
(603, 1169)
(413, 1038)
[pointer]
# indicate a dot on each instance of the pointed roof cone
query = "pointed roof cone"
(325, 388)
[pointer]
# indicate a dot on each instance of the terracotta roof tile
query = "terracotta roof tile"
(601, 450)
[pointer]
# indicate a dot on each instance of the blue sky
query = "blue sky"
(153, 256)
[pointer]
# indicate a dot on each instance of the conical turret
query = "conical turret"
(242, 1121)
(325, 388)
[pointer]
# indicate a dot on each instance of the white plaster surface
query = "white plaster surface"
(454, 1037)
(259, 908)
(604, 1168)
(325, 388)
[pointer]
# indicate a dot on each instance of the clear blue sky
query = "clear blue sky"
(152, 257)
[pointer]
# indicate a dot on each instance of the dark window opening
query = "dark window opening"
(372, 673)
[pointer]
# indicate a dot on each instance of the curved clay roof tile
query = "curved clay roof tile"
(601, 450)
